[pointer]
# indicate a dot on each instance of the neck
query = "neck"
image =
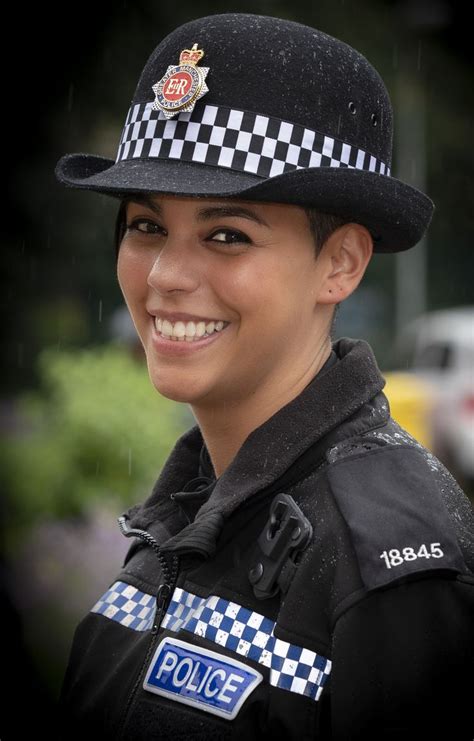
(225, 429)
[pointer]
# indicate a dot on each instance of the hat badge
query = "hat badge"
(182, 85)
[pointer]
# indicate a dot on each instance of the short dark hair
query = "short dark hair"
(322, 225)
(120, 224)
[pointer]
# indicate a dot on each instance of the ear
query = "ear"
(346, 255)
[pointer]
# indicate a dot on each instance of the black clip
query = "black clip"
(286, 533)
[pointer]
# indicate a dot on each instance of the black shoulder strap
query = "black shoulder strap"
(393, 508)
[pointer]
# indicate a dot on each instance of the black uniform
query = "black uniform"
(321, 588)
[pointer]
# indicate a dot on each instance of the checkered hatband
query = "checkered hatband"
(236, 139)
(227, 624)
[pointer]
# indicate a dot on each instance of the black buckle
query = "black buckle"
(286, 533)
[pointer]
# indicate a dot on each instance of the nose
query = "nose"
(175, 267)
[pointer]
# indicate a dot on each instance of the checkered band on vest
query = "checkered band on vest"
(236, 139)
(227, 624)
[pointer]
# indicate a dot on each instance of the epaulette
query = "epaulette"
(391, 502)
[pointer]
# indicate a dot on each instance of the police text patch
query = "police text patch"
(204, 679)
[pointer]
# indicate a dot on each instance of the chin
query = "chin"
(169, 384)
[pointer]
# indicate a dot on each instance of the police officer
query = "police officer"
(303, 567)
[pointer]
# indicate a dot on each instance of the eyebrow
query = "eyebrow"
(207, 213)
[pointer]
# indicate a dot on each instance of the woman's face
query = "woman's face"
(250, 265)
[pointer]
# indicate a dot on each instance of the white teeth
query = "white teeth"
(189, 331)
(167, 327)
(200, 329)
(179, 330)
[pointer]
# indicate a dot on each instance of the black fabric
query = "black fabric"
(389, 548)
(205, 464)
(353, 381)
(299, 75)
(399, 653)
(194, 494)
(407, 650)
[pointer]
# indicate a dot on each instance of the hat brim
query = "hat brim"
(396, 214)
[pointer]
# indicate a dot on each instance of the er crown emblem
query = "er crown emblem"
(182, 85)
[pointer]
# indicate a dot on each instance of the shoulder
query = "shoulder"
(405, 513)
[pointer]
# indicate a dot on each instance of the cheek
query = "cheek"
(132, 274)
(245, 289)
(264, 293)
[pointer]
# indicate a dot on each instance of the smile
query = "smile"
(189, 331)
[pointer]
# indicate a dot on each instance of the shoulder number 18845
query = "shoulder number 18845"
(394, 557)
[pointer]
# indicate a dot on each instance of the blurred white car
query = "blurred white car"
(439, 348)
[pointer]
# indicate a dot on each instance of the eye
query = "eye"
(134, 226)
(230, 237)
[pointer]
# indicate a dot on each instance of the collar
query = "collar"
(198, 490)
(206, 469)
(333, 396)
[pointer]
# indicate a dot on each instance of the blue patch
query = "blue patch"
(204, 679)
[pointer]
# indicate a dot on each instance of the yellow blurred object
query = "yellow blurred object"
(411, 403)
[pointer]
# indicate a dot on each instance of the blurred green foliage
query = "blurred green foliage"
(95, 429)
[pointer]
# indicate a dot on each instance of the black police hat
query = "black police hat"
(262, 109)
